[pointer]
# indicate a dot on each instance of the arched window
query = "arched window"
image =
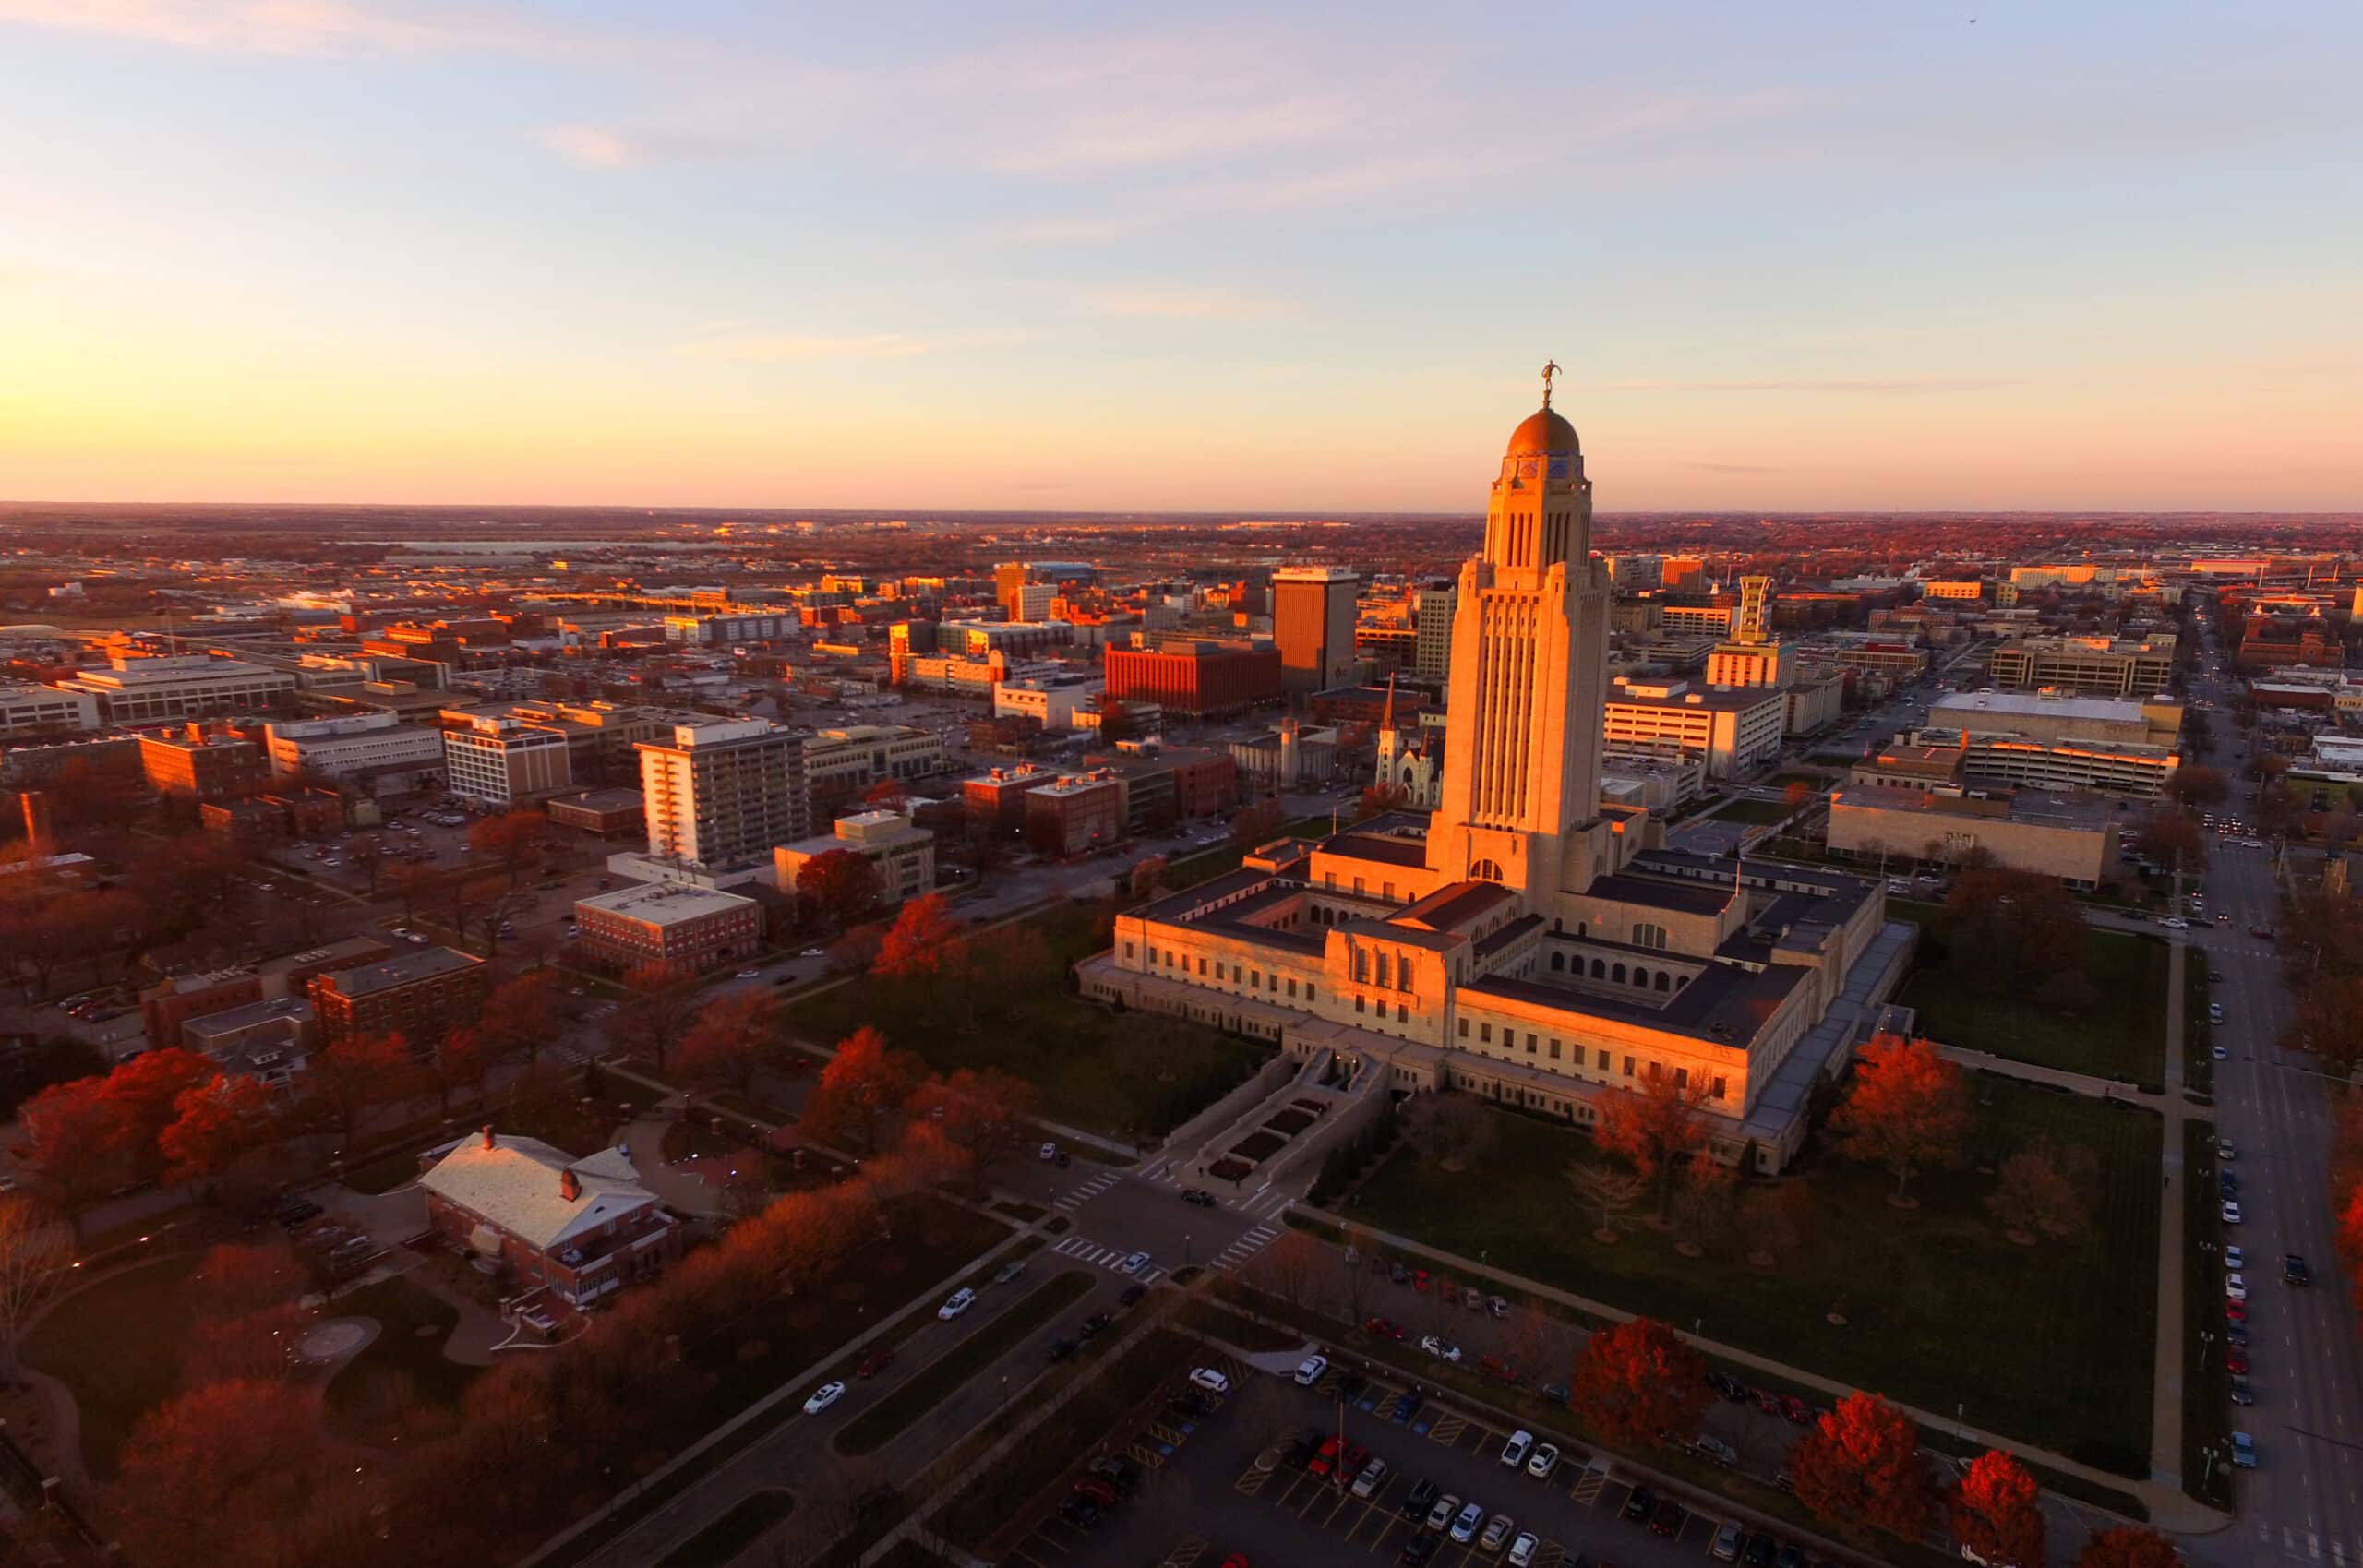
(1486, 871)
(1664, 980)
(1617, 973)
(1598, 969)
(1558, 962)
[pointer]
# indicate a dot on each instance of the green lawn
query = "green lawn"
(1752, 810)
(403, 1375)
(2198, 1035)
(2050, 1343)
(118, 1345)
(1131, 1076)
(879, 1424)
(2120, 1035)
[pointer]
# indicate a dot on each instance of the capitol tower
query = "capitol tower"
(1520, 801)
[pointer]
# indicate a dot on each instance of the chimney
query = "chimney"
(487, 1134)
(568, 1186)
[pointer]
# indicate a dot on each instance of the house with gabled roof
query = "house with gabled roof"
(581, 1228)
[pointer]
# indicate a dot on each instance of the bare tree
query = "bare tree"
(1609, 1192)
(35, 1248)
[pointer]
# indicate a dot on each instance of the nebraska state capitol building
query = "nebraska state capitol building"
(1524, 942)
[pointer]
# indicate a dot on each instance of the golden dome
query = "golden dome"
(1546, 433)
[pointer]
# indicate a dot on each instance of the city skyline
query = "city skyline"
(366, 252)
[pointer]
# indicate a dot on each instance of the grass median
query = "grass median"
(879, 1424)
(2206, 1384)
(734, 1532)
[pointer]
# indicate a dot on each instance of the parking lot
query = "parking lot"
(1226, 1488)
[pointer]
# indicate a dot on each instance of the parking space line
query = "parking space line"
(1550, 1554)
(1378, 1541)
(1252, 1481)
(1448, 1429)
(1185, 1554)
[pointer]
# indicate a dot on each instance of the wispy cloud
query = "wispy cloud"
(1903, 384)
(592, 145)
(1179, 302)
(740, 345)
(288, 27)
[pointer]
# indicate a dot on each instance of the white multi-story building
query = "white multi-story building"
(1734, 730)
(350, 744)
(134, 689)
(841, 761)
(724, 792)
(1431, 606)
(500, 762)
(30, 710)
(1050, 702)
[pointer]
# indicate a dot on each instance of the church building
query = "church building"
(1524, 942)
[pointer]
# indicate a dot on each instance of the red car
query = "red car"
(1799, 1413)
(873, 1363)
(1418, 1279)
(1381, 1328)
(2237, 1312)
(1767, 1401)
(2236, 1359)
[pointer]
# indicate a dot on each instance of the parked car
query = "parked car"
(1372, 1477)
(1210, 1380)
(1498, 1533)
(2234, 1288)
(1097, 1490)
(1667, 1517)
(1407, 1404)
(1640, 1506)
(1757, 1553)
(1725, 1548)
(1435, 1347)
(1515, 1452)
(1383, 1329)
(1135, 1263)
(1062, 1348)
(2242, 1392)
(1545, 1460)
(1441, 1516)
(1796, 1411)
(1419, 1549)
(1464, 1523)
(1312, 1370)
(1093, 1324)
(2244, 1451)
(2231, 1212)
(1708, 1446)
(2235, 1259)
(1522, 1549)
(1421, 1497)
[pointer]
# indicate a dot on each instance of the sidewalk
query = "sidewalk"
(2165, 1383)
(2082, 1083)
(2169, 1509)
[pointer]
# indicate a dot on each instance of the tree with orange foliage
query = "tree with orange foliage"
(864, 1083)
(1256, 822)
(1861, 1463)
(145, 1090)
(69, 1154)
(1655, 1128)
(2129, 1546)
(216, 1124)
(1908, 1108)
(1997, 1512)
(201, 1471)
(733, 1039)
(925, 951)
(2044, 1188)
(356, 1075)
(520, 1018)
(513, 838)
(1635, 1380)
(658, 1004)
(987, 1116)
(887, 794)
(842, 884)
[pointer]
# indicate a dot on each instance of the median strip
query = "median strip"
(879, 1424)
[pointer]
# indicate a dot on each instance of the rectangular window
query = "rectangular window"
(1386, 889)
(1682, 1078)
(1202, 966)
(1358, 885)
(1628, 1067)
(1308, 991)
(1485, 1033)
(1555, 1050)
(1359, 1004)
(1603, 1062)
(1402, 1014)
(1464, 1029)
(1128, 949)
(1291, 988)
(1718, 1089)
(1530, 1043)
(1255, 979)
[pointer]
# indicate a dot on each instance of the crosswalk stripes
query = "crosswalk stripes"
(1084, 1250)
(1245, 1246)
(1269, 1200)
(1088, 1190)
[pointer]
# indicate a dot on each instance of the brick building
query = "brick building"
(173, 1001)
(423, 995)
(201, 766)
(579, 1228)
(1196, 680)
(1076, 812)
(673, 923)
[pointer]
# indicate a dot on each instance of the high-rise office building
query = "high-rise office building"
(1432, 617)
(1313, 621)
(724, 794)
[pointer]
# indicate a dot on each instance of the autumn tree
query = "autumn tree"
(658, 1004)
(1862, 1464)
(1997, 1512)
(2197, 786)
(2013, 927)
(733, 1040)
(1379, 799)
(368, 855)
(1654, 1128)
(459, 1064)
(2046, 1188)
(145, 1090)
(1907, 1109)
(2129, 1546)
(412, 883)
(844, 885)
(887, 794)
(867, 1082)
(924, 951)
(1703, 1192)
(520, 1018)
(1256, 823)
(1003, 966)
(199, 1470)
(1609, 1193)
(1635, 1380)
(1148, 875)
(513, 840)
(70, 1156)
(35, 1248)
(2171, 839)
(356, 1075)
(215, 1125)
(1450, 1129)
(987, 1116)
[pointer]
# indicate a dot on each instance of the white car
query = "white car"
(750, 974)
(1515, 1451)
(828, 1393)
(2225, 1151)
(1137, 1262)
(2175, 923)
(2220, 1054)
(1435, 1347)
(2235, 1259)
(1522, 1549)
(2236, 1288)
(1545, 1460)
(1311, 1369)
(959, 1302)
(1372, 1480)
(2215, 1012)
(1464, 1526)
(1497, 1530)
(2231, 1212)
(1210, 1380)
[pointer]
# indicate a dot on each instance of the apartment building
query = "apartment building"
(671, 923)
(722, 793)
(196, 766)
(503, 761)
(423, 995)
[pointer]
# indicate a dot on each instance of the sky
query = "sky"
(2036, 255)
